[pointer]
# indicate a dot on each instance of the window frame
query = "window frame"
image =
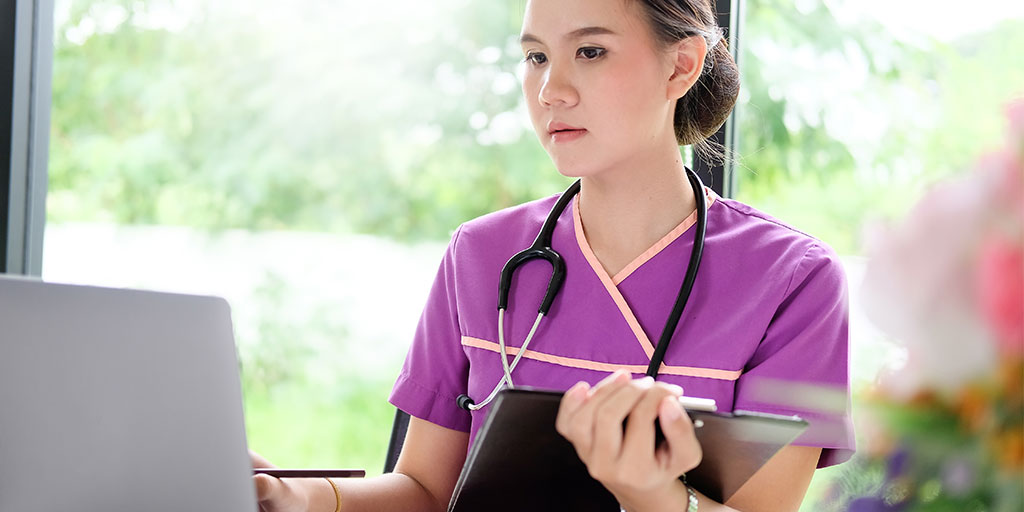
(720, 176)
(26, 70)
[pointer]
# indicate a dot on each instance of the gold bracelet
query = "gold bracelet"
(337, 495)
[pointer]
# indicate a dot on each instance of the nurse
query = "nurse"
(614, 87)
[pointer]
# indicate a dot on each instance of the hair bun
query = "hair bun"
(707, 105)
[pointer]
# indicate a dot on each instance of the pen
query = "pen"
(698, 404)
(310, 473)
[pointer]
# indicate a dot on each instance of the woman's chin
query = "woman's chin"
(570, 173)
(573, 169)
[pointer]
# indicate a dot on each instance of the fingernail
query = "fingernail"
(669, 410)
(647, 381)
(577, 392)
(678, 390)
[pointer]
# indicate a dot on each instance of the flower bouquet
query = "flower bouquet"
(946, 431)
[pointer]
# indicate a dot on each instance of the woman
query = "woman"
(613, 88)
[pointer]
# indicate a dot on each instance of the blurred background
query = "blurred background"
(309, 161)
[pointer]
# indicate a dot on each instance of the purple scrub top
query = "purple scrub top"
(765, 328)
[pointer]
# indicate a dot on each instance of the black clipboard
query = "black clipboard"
(519, 462)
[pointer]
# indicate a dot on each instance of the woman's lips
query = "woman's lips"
(570, 135)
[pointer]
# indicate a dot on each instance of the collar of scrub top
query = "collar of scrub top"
(541, 249)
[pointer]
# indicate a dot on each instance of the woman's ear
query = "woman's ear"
(689, 56)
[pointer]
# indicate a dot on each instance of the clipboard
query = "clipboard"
(519, 462)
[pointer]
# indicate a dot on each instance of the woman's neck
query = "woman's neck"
(628, 209)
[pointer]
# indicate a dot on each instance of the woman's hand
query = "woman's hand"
(625, 460)
(279, 495)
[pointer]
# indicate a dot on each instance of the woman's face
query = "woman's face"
(596, 84)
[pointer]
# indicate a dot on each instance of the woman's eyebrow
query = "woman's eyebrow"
(575, 34)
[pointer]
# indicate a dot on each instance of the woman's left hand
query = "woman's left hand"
(625, 460)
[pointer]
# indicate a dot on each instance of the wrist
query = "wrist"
(337, 494)
(318, 494)
(673, 497)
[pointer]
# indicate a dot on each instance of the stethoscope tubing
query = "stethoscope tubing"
(691, 276)
(507, 369)
(541, 249)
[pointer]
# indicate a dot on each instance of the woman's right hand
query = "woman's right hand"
(279, 495)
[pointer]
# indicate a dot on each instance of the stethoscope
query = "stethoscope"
(541, 249)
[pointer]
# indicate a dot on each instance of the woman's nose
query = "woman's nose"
(557, 89)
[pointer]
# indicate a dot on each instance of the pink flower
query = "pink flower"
(948, 281)
(920, 288)
(1015, 113)
(1000, 292)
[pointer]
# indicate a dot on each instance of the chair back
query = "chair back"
(398, 430)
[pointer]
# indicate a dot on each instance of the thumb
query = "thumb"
(268, 488)
(681, 452)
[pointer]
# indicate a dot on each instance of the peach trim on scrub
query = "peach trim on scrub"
(611, 285)
(664, 242)
(571, 362)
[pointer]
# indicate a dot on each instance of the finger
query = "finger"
(673, 389)
(615, 379)
(258, 461)
(638, 448)
(610, 414)
(267, 487)
(579, 425)
(570, 403)
(681, 451)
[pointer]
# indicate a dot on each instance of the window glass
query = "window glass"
(851, 108)
(308, 161)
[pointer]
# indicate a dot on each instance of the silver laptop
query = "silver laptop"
(118, 401)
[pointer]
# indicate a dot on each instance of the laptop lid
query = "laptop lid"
(119, 400)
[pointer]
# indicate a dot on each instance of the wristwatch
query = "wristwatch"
(692, 503)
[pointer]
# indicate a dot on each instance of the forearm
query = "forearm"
(391, 492)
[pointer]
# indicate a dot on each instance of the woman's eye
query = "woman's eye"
(590, 52)
(536, 58)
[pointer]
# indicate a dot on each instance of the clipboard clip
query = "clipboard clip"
(698, 404)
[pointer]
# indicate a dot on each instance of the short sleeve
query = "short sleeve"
(801, 366)
(436, 368)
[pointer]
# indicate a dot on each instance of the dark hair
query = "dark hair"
(707, 105)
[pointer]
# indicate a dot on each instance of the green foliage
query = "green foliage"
(341, 126)
(295, 415)
(846, 122)
(286, 118)
(271, 357)
(936, 463)
(306, 426)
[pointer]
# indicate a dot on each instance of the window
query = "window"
(307, 161)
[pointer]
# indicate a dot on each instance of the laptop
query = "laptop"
(119, 400)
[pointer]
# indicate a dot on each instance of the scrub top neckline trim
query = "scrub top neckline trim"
(611, 283)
